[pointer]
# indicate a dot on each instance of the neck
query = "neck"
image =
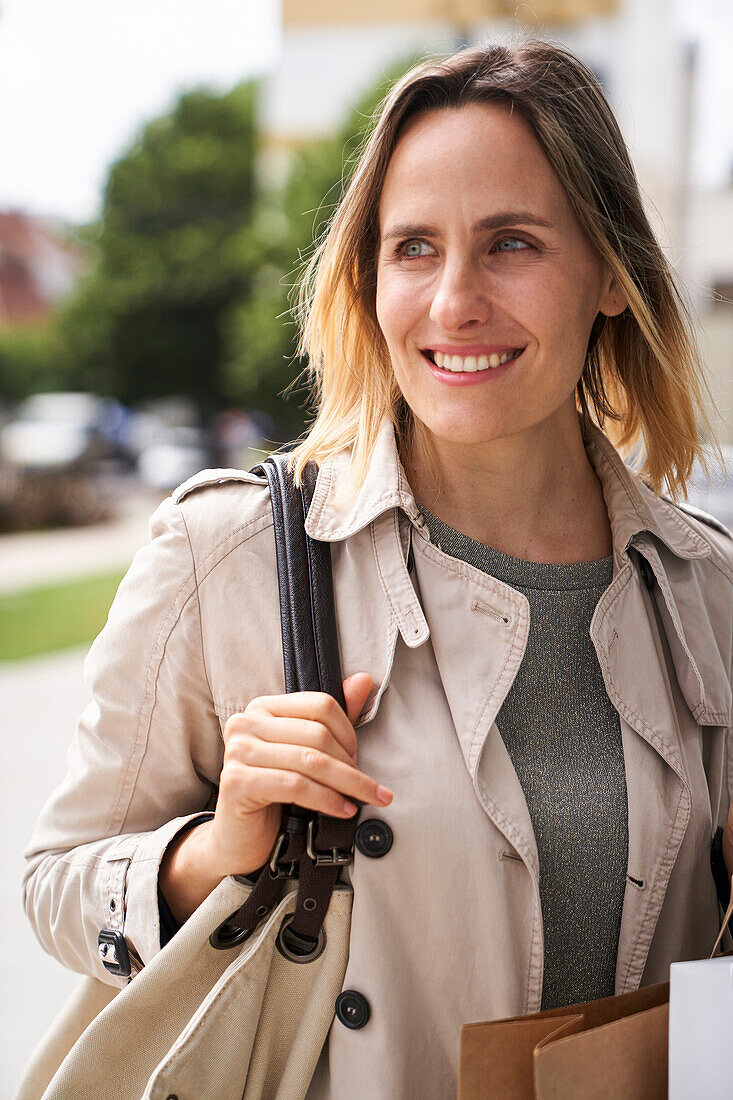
(533, 495)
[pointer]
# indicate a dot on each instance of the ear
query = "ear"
(613, 300)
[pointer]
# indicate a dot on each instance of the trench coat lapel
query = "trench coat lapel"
(479, 628)
(692, 626)
(630, 651)
(652, 526)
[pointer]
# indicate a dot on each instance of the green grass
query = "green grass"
(43, 619)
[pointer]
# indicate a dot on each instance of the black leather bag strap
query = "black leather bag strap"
(307, 614)
(311, 846)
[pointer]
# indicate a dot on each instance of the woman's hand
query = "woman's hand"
(296, 748)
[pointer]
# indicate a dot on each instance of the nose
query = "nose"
(461, 299)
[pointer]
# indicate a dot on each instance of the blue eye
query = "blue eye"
(411, 250)
(512, 242)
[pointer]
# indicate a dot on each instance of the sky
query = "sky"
(78, 78)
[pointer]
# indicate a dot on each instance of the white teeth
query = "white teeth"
(471, 363)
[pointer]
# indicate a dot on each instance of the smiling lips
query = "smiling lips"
(472, 360)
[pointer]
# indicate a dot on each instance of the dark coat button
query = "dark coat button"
(374, 837)
(352, 1009)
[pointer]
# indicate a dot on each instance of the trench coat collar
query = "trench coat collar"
(632, 507)
(384, 487)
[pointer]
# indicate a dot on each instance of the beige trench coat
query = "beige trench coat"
(447, 926)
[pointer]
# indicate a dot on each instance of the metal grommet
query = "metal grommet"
(309, 904)
(287, 951)
(261, 910)
(223, 937)
(112, 904)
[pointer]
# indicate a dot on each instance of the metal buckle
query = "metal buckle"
(338, 857)
(113, 953)
(278, 872)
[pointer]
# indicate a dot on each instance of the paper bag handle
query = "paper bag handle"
(724, 925)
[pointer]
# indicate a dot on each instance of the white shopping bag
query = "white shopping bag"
(701, 1026)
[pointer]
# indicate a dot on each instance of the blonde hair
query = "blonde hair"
(642, 380)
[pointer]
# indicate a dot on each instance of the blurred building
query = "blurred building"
(38, 267)
(333, 52)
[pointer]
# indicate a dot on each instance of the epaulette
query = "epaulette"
(206, 478)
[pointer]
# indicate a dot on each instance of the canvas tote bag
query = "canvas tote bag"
(239, 1003)
(610, 1049)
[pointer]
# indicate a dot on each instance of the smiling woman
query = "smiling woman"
(502, 302)
(526, 135)
(536, 641)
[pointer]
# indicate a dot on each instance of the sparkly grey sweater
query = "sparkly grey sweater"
(564, 739)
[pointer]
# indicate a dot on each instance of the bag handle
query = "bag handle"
(307, 613)
(724, 925)
(313, 846)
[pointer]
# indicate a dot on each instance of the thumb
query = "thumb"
(356, 692)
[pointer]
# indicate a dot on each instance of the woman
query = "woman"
(536, 641)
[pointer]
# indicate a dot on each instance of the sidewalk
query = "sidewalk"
(34, 558)
(40, 700)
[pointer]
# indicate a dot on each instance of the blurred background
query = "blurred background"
(165, 166)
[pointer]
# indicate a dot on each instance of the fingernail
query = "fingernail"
(349, 807)
(384, 795)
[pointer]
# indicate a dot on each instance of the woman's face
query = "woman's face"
(482, 260)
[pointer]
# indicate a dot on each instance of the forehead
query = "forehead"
(481, 157)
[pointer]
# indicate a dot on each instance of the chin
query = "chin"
(476, 429)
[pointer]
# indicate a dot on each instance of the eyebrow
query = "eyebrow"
(494, 221)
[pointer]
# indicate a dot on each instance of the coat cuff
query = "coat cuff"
(140, 904)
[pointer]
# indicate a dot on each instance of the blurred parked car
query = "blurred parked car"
(245, 436)
(171, 442)
(63, 431)
(174, 458)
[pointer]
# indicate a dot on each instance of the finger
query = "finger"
(356, 693)
(264, 786)
(297, 731)
(319, 766)
(316, 706)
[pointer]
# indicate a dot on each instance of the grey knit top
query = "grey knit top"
(564, 739)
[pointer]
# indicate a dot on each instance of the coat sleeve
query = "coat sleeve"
(145, 759)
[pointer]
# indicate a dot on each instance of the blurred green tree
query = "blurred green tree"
(197, 253)
(30, 360)
(173, 256)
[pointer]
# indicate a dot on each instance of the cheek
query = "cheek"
(556, 306)
(399, 306)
